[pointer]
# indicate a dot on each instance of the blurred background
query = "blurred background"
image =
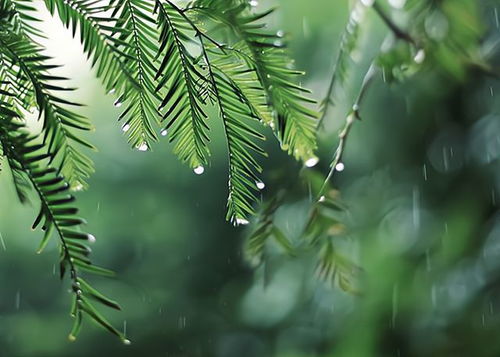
(421, 183)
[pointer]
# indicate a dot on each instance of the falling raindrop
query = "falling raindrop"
(241, 221)
(416, 208)
(428, 260)
(126, 128)
(420, 56)
(182, 322)
(142, 147)
(312, 161)
(164, 132)
(18, 299)
(394, 305)
(425, 172)
(260, 185)
(340, 167)
(497, 21)
(199, 170)
(2, 242)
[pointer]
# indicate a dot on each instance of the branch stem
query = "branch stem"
(350, 120)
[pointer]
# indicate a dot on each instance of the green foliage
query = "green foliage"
(58, 214)
(170, 67)
(167, 70)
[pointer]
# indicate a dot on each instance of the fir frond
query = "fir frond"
(348, 44)
(31, 70)
(186, 88)
(139, 37)
(265, 231)
(29, 161)
(18, 16)
(98, 35)
(237, 114)
(294, 122)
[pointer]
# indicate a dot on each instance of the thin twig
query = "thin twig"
(398, 32)
(344, 133)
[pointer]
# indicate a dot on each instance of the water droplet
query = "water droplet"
(77, 186)
(117, 103)
(199, 170)
(321, 199)
(126, 341)
(260, 185)
(340, 167)
(91, 238)
(241, 221)
(280, 33)
(397, 4)
(367, 3)
(312, 161)
(112, 91)
(72, 338)
(420, 56)
(253, 3)
(126, 128)
(164, 132)
(142, 147)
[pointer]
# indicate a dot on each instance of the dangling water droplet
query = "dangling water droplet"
(77, 186)
(321, 199)
(112, 91)
(142, 147)
(126, 128)
(241, 221)
(126, 341)
(72, 338)
(340, 167)
(420, 56)
(199, 170)
(280, 33)
(164, 132)
(312, 161)
(260, 185)
(367, 3)
(117, 103)
(397, 4)
(91, 238)
(253, 3)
